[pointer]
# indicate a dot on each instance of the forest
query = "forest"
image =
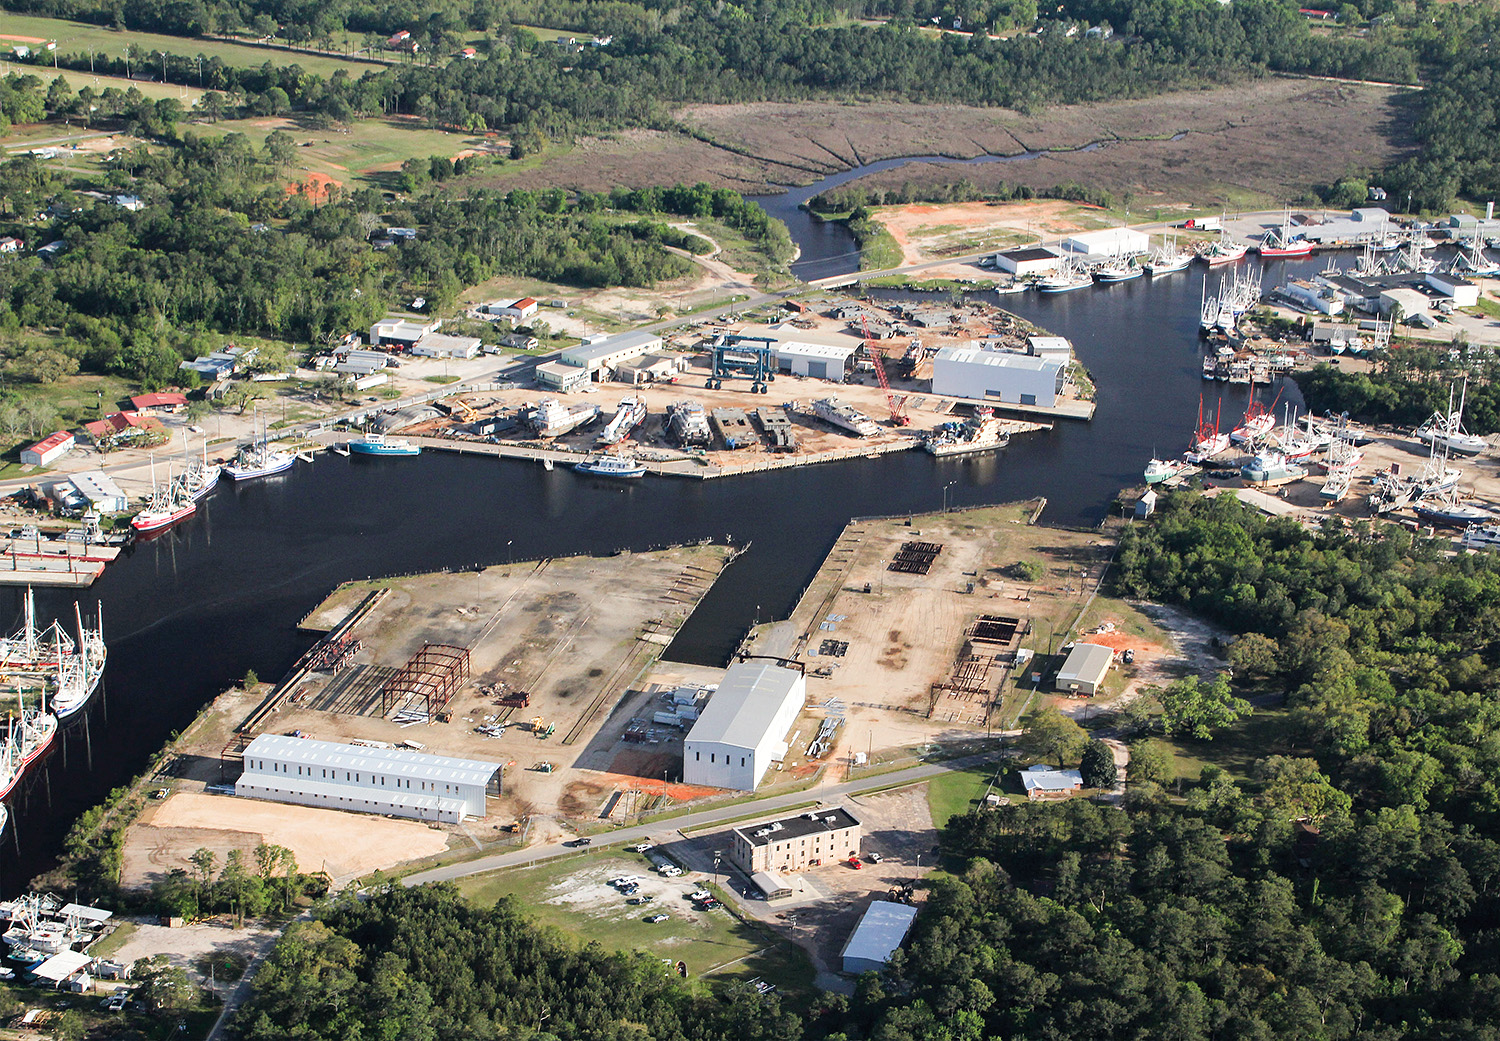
(1410, 385)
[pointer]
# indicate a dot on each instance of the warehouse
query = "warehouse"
(744, 726)
(50, 448)
(601, 357)
(796, 843)
(880, 932)
(1411, 301)
(1022, 262)
(398, 332)
(1003, 376)
(816, 360)
(1108, 242)
(1055, 348)
(101, 491)
(441, 345)
(1085, 669)
(560, 377)
(364, 779)
(1460, 291)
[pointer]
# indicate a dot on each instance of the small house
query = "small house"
(1044, 782)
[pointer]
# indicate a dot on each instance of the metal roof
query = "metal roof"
(770, 884)
(1034, 253)
(999, 359)
(880, 931)
(1087, 663)
(92, 914)
(813, 822)
(1049, 343)
(1044, 778)
(260, 781)
(798, 349)
(746, 703)
(60, 966)
(95, 485)
(587, 353)
(395, 761)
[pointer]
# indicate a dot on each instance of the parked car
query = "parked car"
(637, 901)
(658, 917)
(640, 847)
(854, 863)
(873, 858)
(670, 870)
(699, 894)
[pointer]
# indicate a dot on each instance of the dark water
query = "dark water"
(189, 613)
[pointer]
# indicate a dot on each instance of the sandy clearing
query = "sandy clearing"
(923, 230)
(343, 844)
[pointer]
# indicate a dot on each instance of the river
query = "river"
(189, 613)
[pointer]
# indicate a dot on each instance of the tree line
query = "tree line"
(1411, 385)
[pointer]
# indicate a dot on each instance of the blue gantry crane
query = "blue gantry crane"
(743, 358)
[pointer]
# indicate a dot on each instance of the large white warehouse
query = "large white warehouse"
(818, 360)
(1108, 242)
(744, 727)
(1003, 376)
(369, 780)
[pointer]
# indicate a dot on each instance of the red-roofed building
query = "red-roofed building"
(117, 424)
(49, 448)
(158, 402)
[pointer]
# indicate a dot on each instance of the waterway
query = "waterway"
(189, 613)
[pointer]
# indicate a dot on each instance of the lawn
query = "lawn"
(712, 943)
(959, 791)
(1268, 732)
(81, 37)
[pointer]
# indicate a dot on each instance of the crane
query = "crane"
(898, 415)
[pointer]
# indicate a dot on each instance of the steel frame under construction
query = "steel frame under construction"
(434, 673)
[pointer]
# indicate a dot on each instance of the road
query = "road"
(694, 821)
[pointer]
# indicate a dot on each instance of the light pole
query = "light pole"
(507, 550)
(718, 854)
(950, 484)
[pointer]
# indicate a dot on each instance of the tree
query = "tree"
(1295, 788)
(164, 986)
(1151, 760)
(1254, 654)
(1050, 736)
(204, 860)
(1098, 765)
(1197, 709)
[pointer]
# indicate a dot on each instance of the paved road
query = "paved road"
(644, 832)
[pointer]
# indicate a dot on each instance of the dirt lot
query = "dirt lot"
(187, 945)
(927, 230)
(1267, 137)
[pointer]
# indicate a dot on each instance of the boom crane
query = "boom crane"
(897, 405)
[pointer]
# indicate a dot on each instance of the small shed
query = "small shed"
(1085, 669)
(879, 934)
(771, 885)
(48, 449)
(1145, 506)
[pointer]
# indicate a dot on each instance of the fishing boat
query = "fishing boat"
(1271, 469)
(1337, 484)
(1159, 470)
(1065, 279)
(1225, 251)
(1481, 536)
(1119, 270)
(1283, 242)
(201, 477)
(1168, 259)
(551, 418)
(611, 466)
(259, 459)
(1292, 444)
(169, 503)
(375, 443)
(982, 433)
(1446, 429)
(1257, 423)
(1207, 440)
(27, 736)
(630, 414)
(79, 674)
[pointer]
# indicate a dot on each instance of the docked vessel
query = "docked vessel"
(27, 736)
(38, 924)
(845, 417)
(1271, 469)
(1159, 470)
(687, 424)
(1225, 251)
(1446, 429)
(1118, 271)
(199, 477)
(1481, 536)
(630, 414)
(979, 434)
(1065, 279)
(1168, 259)
(1283, 242)
(375, 443)
(48, 663)
(551, 418)
(169, 503)
(611, 466)
(258, 460)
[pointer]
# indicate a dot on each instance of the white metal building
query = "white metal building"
(743, 728)
(1462, 292)
(1057, 348)
(400, 332)
(441, 345)
(1411, 301)
(49, 448)
(1015, 379)
(1108, 242)
(820, 361)
(364, 779)
(880, 932)
(1085, 669)
(100, 489)
(560, 377)
(603, 355)
(1038, 260)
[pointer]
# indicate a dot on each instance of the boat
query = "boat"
(551, 418)
(1119, 270)
(1065, 279)
(1292, 444)
(1271, 469)
(1257, 423)
(1168, 259)
(1336, 485)
(687, 423)
(1225, 251)
(1159, 470)
(1341, 455)
(611, 466)
(201, 477)
(259, 459)
(1446, 429)
(630, 414)
(1282, 242)
(1207, 440)
(845, 417)
(982, 433)
(27, 955)
(1448, 512)
(27, 736)
(375, 443)
(169, 503)
(1481, 536)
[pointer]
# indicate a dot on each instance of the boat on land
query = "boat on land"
(1448, 511)
(1446, 429)
(687, 423)
(1271, 469)
(630, 414)
(1481, 536)
(1337, 484)
(375, 443)
(259, 459)
(1207, 440)
(1257, 423)
(845, 417)
(551, 418)
(1159, 470)
(169, 503)
(981, 433)
(611, 466)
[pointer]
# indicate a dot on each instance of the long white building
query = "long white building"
(364, 779)
(1002, 376)
(744, 726)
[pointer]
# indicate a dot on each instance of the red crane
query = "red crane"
(877, 359)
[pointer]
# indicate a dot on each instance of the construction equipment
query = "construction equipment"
(877, 360)
(541, 728)
(464, 409)
(743, 358)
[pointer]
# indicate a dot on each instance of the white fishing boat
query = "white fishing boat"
(1207, 440)
(1337, 484)
(168, 504)
(1258, 422)
(1159, 470)
(611, 466)
(259, 459)
(1167, 259)
(1446, 429)
(199, 477)
(1064, 279)
(1121, 269)
(1271, 469)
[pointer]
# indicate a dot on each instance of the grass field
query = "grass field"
(80, 37)
(1266, 733)
(712, 943)
(960, 791)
